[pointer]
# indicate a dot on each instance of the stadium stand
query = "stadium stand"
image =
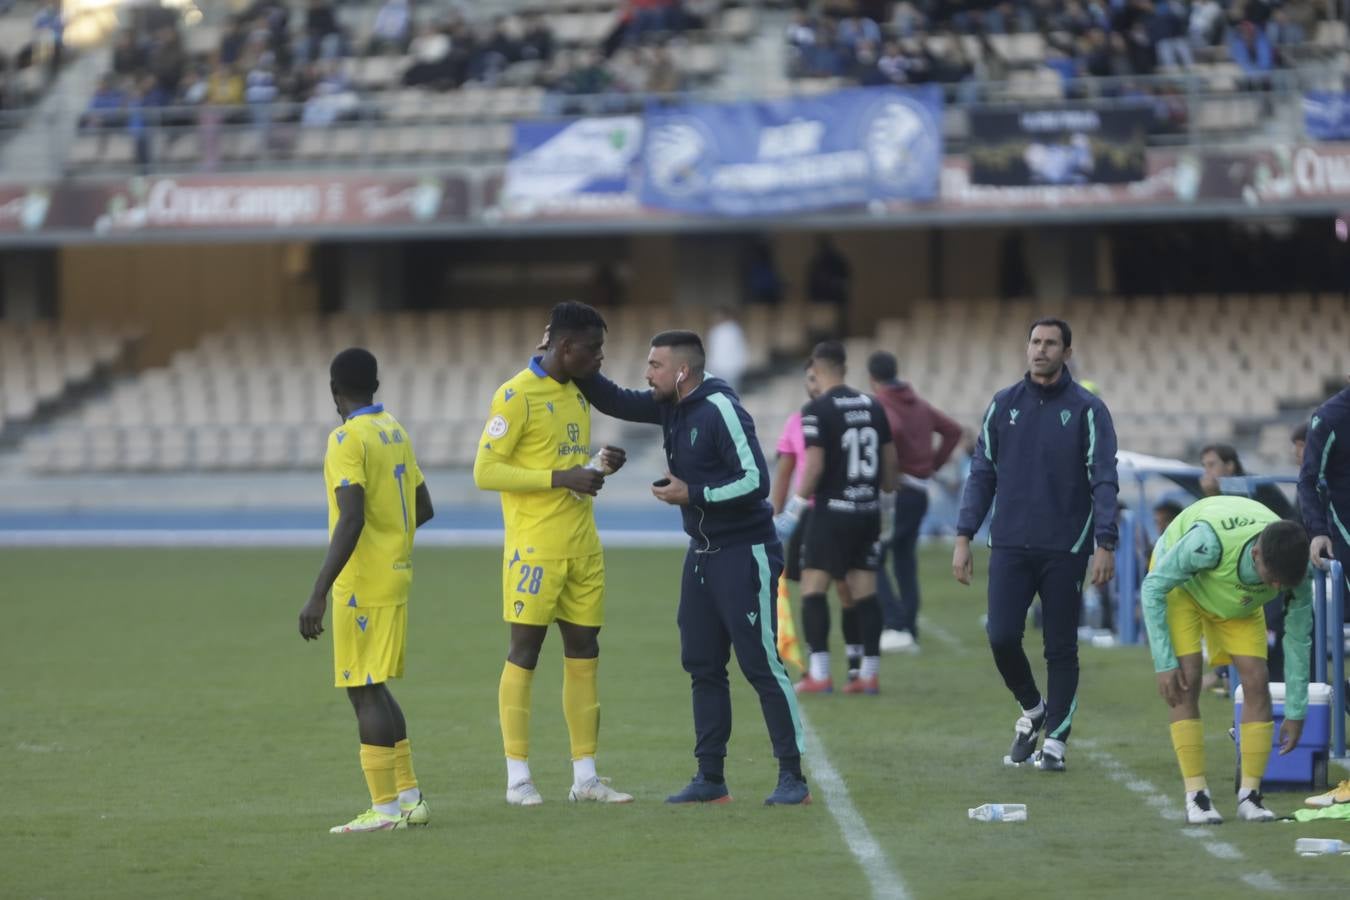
(255, 396)
(41, 362)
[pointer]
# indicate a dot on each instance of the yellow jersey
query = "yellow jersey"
(536, 426)
(373, 450)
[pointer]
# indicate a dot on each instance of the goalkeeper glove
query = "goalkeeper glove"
(887, 518)
(786, 521)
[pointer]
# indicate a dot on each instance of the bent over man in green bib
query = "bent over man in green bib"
(1212, 570)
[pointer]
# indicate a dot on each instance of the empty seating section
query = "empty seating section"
(257, 396)
(1176, 372)
(40, 362)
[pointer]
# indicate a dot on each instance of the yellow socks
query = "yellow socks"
(513, 706)
(378, 764)
(1188, 740)
(404, 777)
(1256, 738)
(581, 705)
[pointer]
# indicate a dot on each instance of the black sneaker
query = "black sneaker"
(1026, 731)
(701, 790)
(791, 791)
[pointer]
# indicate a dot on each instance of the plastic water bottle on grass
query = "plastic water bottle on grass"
(1320, 847)
(999, 812)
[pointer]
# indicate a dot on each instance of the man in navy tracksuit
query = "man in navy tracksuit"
(1048, 450)
(1324, 480)
(718, 478)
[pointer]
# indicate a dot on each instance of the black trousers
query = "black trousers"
(728, 598)
(1016, 577)
(900, 607)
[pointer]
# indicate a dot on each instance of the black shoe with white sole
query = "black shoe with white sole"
(1025, 734)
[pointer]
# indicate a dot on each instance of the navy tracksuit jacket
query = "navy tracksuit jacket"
(1324, 479)
(1046, 463)
(728, 593)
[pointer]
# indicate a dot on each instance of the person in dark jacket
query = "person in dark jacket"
(718, 478)
(1048, 449)
(914, 423)
(1324, 481)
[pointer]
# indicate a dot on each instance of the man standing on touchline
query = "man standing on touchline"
(1047, 449)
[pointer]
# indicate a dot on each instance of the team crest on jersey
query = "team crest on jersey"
(693, 436)
(1065, 416)
(519, 608)
(497, 427)
(1012, 416)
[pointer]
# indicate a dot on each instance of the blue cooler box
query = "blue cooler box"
(1306, 764)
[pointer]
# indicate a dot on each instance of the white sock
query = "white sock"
(820, 665)
(517, 770)
(389, 809)
(1038, 710)
(1053, 747)
(871, 666)
(411, 795)
(583, 770)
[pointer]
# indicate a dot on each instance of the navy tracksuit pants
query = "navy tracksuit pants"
(728, 598)
(1015, 578)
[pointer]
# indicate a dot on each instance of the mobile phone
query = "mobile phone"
(661, 482)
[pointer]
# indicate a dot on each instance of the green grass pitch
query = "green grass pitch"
(168, 734)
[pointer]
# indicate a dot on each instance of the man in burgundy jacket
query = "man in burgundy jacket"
(914, 421)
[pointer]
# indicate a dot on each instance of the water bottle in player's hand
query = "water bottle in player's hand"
(596, 464)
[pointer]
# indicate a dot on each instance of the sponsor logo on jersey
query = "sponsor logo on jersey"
(573, 432)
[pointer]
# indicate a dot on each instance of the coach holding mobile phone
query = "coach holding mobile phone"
(718, 478)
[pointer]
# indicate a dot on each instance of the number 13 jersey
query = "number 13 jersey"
(373, 450)
(851, 428)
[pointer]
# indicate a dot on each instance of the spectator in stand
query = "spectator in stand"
(323, 36)
(1251, 50)
(331, 99)
(803, 53)
(892, 64)
(224, 97)
(1167, 30)
(663, 77)
(537, 43)
(128, 58)
(864, 67)
(1206, 23)
(854, 31)
(431, 58)
(499, 51)
(49, 34)
(1282, 31)
(144, 119)
(107, 108)
(260, 92)
(168, 60)
(233, 41)
(392, 29)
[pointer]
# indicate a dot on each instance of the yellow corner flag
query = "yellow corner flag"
(788, 647)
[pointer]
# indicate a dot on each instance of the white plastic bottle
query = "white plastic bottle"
(999, 812)
(1320, 847)
(596, 464)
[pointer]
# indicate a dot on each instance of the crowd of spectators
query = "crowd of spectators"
(888, 43)
(26, 70)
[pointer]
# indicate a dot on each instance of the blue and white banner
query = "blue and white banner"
(1326, 115)
(575, 167)
(848, 148)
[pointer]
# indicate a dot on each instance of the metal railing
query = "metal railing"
(1190, 109)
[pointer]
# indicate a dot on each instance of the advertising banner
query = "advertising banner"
(577, 168)
(848, 148)
(1058, 146)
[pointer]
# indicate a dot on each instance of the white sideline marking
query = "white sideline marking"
(928, 626)
(885, 880)
(1116, 771)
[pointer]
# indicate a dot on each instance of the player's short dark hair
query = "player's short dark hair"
(1226, 453)
(570, 317)
(1169, 505)
(354, 373)
(882, 366)
(1300, 433)
(829, 352)
(686, 342)
(1065, 331)
(1284, 550)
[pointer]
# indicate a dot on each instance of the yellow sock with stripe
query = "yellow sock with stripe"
(1188, 740)
(378, 764)
(581, 708)
(404, 776)
(513, 706)
(1256, 738)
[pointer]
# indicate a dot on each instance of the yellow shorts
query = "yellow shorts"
(368, 644)
(1225, 638)
(541, 591)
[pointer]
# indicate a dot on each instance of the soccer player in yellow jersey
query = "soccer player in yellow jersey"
(377, 499)
(534, 450)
